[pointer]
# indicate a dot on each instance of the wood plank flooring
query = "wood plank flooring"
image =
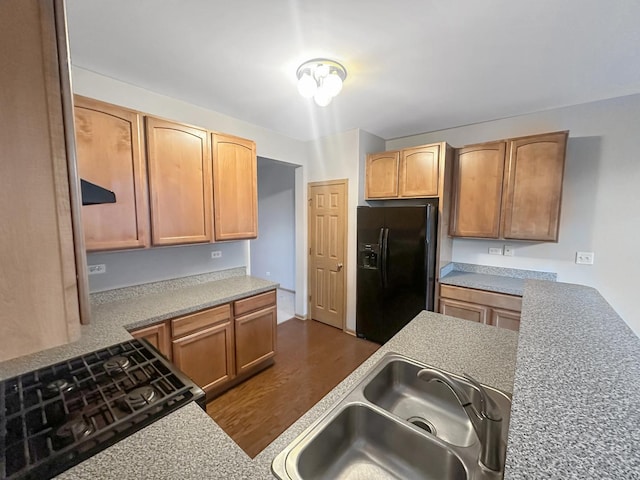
(311, 359)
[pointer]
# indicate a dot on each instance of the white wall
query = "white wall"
(273, 252)
(122, 267)
(600, 203)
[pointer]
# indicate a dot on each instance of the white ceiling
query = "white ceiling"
(413, 65)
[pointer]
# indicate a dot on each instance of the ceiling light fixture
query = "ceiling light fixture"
(321, 79)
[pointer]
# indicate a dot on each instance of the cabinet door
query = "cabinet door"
(255, 338)
(381, 175)
(158, 336)
(207, 356)
(505, 319)
(477, 190)
(39, 289)
(464, 310)
(419, 172)
(531, 209)
(235, 188)
(179, 160)
(110, 154)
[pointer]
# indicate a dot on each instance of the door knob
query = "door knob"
(340, 266)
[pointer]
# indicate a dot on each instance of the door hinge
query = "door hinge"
(309, 250)
(309, 297)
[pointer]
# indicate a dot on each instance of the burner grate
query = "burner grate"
(55, 417)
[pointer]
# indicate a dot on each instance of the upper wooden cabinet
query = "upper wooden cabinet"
(509, 189)
(533, 187)
(477, 190)
(179, 161)
(111, 154)
(235, 187)
(407, 173)
(381, 175)
(419, 171)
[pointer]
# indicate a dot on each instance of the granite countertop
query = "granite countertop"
(575, 387)
(494, 279)
(576, 405)
(189, 444)
(111, 319)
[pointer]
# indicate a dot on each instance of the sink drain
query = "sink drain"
(423, 424)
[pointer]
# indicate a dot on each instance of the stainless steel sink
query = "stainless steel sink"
(360, 442)
(428, 405)
(394, 425)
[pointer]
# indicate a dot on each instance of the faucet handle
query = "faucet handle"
(488, 407)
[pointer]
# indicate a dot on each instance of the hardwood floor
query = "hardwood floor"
(311, 359)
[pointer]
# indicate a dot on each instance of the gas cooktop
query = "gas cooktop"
(55, 417)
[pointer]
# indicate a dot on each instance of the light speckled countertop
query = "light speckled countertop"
(189, 444)
(575, 409)
(494, 279)
(110, 320)
(576, 404)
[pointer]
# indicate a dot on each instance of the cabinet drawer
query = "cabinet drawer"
(197, 321)
(490, 299)
(246, 305)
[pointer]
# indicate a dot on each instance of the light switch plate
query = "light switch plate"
(508, 251)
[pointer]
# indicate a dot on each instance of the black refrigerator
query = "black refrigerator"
(396, 267)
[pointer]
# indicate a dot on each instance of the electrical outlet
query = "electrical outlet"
(216, 254)
(495, 251)
(508, 251)
(97, 269)
(584, 258)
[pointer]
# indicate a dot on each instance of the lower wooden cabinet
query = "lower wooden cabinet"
(207, 355)
(220, 346)
(490, 308)
(158, 335)
(256, 320)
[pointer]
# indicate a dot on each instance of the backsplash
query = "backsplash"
(500, 271)
(126, 293)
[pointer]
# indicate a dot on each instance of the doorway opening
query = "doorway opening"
(272, 254)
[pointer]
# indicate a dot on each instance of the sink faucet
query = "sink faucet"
(487, 423)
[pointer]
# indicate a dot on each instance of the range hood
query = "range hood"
(93, 194)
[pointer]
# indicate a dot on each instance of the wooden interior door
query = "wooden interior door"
(327, 251)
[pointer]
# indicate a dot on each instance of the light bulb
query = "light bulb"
(322, 97)
(307, 85)
(333, 84)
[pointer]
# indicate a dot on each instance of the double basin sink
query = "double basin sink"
(396, 424)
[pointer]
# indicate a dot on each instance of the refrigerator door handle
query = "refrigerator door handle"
(385, 256)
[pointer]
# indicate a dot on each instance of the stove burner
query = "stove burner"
(117, 364)
(75, 429)
(140, 397)
(57, 416)
(58, 386)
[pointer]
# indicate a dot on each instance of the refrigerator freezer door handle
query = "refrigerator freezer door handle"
(385, 256)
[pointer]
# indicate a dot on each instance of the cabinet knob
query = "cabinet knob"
(340, 265)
